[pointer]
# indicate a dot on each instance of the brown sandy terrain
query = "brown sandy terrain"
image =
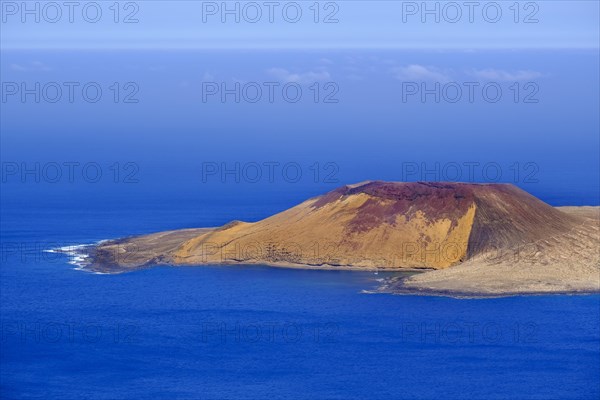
(139, 251)
(480, 238)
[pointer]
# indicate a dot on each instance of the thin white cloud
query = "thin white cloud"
(502, 75)
(32, 66)
(354, 77)
(299, 77)
(420, 73)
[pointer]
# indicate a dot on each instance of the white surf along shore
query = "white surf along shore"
(79, 255)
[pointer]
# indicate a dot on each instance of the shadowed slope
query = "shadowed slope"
(568, 262)
(508, 216)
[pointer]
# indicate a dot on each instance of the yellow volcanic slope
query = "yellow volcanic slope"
(373, 225)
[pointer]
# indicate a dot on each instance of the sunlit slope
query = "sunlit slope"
(384, 224)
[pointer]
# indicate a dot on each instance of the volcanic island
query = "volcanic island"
(458, 239)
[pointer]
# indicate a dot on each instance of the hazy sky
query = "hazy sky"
(301, 24)
(368, 49)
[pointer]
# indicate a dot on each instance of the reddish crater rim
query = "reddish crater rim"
(410, 190)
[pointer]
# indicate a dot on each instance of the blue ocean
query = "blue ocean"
(153, 154)
(254, 332)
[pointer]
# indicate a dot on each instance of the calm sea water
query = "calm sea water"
(257, 332)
